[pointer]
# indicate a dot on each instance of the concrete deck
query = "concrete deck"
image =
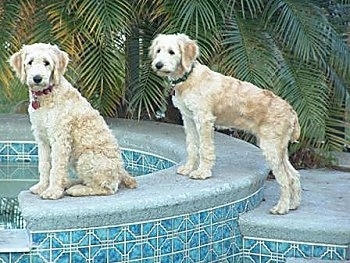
(324, 216)
(159, 195)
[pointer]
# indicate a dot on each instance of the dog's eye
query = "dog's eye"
(171, 52)
(46, 63)
(30, 62)
(158, 50)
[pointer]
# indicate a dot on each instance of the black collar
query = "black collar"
(183, 78)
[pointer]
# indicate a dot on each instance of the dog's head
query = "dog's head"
(173, 55)
(39, 65)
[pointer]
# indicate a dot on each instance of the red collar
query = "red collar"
(36, 94)
(42, 92)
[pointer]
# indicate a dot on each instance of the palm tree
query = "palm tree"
(287, 46)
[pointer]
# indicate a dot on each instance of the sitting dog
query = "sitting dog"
(206, 98)
(67, 129)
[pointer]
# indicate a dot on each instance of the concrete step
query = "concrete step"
(323, 217)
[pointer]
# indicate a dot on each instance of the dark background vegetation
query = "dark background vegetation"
(296, 48)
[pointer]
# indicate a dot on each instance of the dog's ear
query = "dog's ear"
(152, 52)
(16, 62)
(61, 64)
(189, 51)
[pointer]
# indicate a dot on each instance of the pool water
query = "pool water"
(19, 174)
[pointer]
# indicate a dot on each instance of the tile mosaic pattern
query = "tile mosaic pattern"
(257, 250)
(18, 160)
(205, 236)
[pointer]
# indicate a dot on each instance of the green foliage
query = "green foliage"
(295, 48)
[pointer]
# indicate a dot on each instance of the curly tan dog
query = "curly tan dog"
(67, 129)
(207, 98)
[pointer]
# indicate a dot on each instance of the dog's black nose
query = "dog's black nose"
(159, 65)
(37, 79)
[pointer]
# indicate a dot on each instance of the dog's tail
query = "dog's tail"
(128, 180)
(296, 130)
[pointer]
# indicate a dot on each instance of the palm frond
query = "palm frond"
(300, 26)
(148, 95)
(247, 52)
(101, 77)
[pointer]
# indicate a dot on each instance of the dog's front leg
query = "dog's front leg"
(205, 129)
(192, 144)
(60, 152)
(44, 167)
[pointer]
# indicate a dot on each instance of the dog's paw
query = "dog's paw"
(52, 193)
(279, 210)
(77, 190)
(184, 170)
(294, 204)
(200, 174)
(38, 188)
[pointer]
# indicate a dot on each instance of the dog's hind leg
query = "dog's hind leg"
(294, 182)
(86, 190)
(192, 146)
(274, 156)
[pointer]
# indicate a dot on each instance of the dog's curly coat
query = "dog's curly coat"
(67, 129)
(207, 98)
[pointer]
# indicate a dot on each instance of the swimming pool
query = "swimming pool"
(19, 171)
(168, 218)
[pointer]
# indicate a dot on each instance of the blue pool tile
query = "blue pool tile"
(318, 251)
(194, 238)
(204, 237)
(129, 245)
(99, 254)
(129, 236)
(61, 239)
(84, 251)
(226, 246)
(178, 243)
(77, 257)
(99, 235)
(78, 236)
(147, 228)
(193, 220)
(194, 255)
(167, 246)
(167, 225)
(204, 253)
(147, 250)
(56, 254)
(306, 250)
(283, 247)
(217, 232)
(114, 255)
(161, 231)
(35, 258)
(41, 240)
(205, 217)
(179, 257)
(116, 234)
(135, 252)
(179, 223)
(5, 257)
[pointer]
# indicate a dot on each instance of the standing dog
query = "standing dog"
(207, 98)
(67, 129)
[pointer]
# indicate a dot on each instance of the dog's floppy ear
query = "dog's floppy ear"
(16, 62)
(154, 42)
(189, 51)
(61, 63)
